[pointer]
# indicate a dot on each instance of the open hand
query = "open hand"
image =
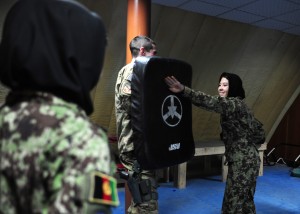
(174, 85)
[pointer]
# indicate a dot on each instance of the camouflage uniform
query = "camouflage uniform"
(53, 159)
(241, 154)
(125, 143)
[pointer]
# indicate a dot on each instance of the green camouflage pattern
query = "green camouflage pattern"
(241, 154)
(240, 187)
(49, 148)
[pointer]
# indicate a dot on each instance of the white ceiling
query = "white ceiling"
(282, 15)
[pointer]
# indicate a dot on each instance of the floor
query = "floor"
(277, 192)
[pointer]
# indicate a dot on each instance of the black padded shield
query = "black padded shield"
(161, 120)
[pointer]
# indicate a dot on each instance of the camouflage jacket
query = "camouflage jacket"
(236, 118)
(52, 158)
(123, 106)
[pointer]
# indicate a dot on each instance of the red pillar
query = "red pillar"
(138, 23)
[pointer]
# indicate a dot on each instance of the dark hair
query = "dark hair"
(138, 42)
(235, 85)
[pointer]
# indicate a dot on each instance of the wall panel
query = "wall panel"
(268, 61)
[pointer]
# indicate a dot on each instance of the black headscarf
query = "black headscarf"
(54, 46)
(235, 85)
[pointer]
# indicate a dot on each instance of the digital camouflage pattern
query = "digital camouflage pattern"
(122, 107)
(49, 150)
(124, 131)
(241, 154)
(240, 186)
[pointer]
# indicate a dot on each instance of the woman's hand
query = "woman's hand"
(174, 85)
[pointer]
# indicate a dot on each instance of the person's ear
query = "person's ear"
(142, 51)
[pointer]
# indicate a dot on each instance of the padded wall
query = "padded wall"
(267, 60)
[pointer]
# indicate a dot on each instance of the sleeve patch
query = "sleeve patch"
(126, 87)
(103, 189)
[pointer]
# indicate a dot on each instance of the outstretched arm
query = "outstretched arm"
(174, 85)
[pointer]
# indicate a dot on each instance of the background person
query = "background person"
(139, 46)
(53, 158)
(241, 153)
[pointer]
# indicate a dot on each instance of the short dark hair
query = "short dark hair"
(138, 42)
(235, 85)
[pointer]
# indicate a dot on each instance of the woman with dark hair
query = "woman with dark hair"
(53, 158)
(241, 153)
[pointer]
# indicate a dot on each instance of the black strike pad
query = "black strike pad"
(161, 120)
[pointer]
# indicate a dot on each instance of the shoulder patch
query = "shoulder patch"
(103, 189)
(126, 87)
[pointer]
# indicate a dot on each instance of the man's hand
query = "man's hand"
(174, 85)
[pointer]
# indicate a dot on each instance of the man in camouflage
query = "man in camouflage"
(53, 158)
(139, 46)
(241, 153)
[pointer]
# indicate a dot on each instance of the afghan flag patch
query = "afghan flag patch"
(103, 189)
